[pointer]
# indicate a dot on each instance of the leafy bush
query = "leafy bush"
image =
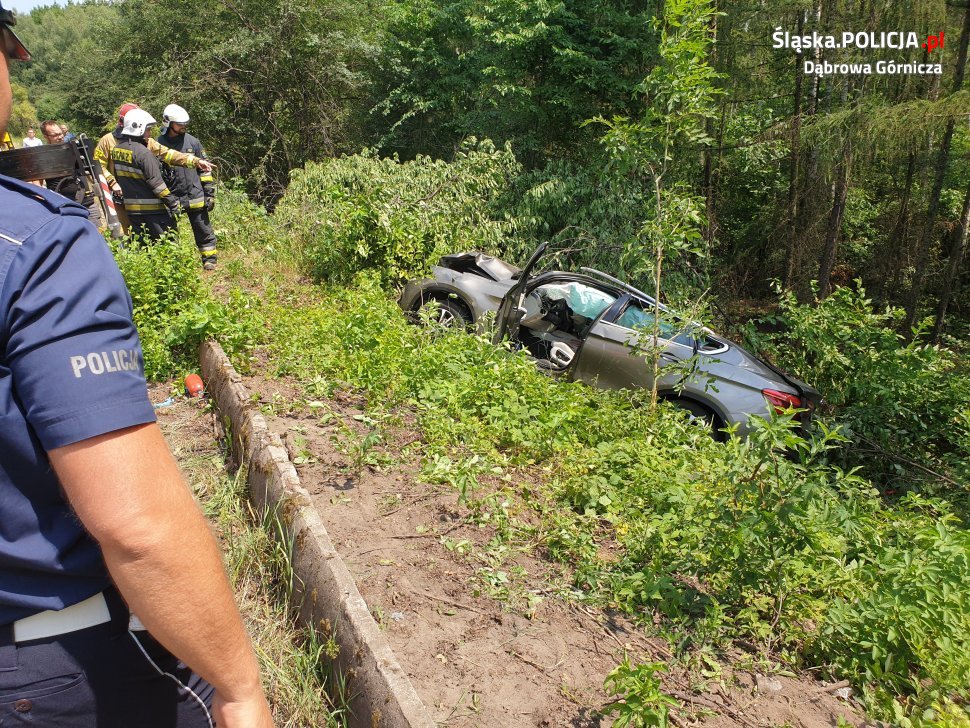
(905, 403)
(905, 626)
(173, 309)
(642, 701)
(397, 218)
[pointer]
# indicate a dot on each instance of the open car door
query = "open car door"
(510, 311)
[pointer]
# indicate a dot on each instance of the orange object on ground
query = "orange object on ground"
(193, 385)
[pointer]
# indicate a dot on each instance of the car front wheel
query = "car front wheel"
(446, 314)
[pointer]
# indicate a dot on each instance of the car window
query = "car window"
(635, 316)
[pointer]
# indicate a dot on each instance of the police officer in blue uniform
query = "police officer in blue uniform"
(96, 524)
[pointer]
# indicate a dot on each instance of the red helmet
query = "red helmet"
(124, 109)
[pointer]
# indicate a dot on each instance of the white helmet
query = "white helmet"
(137, 122)
(174, 112)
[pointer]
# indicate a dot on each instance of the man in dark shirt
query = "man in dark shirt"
(96, 523)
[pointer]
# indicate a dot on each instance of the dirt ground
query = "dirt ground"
(491, 643)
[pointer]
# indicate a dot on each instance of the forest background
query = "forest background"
(799, 178)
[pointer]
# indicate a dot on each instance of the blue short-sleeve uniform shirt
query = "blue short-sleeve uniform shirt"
(70, 369)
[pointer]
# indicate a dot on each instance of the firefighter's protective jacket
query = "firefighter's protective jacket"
(140, 176)
(102, 152)
(192, 187)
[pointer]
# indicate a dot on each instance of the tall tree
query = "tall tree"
(529, 72)
(678, 101)
(840, 188)
(957, 251)
(942, 161)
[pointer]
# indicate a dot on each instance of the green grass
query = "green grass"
(296, 662)
(722, 544)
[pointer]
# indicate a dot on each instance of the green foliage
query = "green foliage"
(678, 94)
(642, 701)
(369, 213)
(22, 113)
(174, 311)
(264, 82)
(529, 72)
(906, 624)
(902, 398)
(66, 44)
(583, 210)
(732, 541)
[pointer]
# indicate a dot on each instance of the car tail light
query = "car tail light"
(782, 400)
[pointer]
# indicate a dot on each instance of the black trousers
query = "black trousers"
(100, 677)
(205, 236)
(152, 227)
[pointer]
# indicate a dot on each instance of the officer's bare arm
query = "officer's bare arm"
(128, 492)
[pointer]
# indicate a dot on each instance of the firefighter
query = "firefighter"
(102, 152)
(152, 209)
(196, 191)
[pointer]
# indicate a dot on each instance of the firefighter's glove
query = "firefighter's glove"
(117, 197)
(174, 209)
(210, 202)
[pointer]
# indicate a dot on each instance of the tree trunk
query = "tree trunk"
(943, 158)
(899, 234)
(817, 57)
(958, 250)
(791, 251)
(834, 230)
(710, 228)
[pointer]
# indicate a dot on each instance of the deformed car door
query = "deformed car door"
(614, 356)
(510, 311)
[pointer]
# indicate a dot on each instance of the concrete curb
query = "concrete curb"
(383, 696)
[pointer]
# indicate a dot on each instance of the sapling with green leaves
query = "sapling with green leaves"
(678, 100)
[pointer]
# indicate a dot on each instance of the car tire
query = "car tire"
(701, 416)
(448, 314)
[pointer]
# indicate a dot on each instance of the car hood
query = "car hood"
(480, 264)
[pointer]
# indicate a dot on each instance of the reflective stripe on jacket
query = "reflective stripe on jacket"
(102, 152)
(139, 174)
(189, 185)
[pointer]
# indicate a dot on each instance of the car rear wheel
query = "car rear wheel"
(701, 416)
(446, 313)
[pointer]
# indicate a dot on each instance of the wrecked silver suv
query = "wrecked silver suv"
(593, 328)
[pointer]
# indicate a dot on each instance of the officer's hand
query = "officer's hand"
(210, 202)
(203, 165)
(253, 713)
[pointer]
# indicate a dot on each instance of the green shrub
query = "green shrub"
(174, 311)
(396, 218)
(905, 626)
(902, 404)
